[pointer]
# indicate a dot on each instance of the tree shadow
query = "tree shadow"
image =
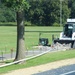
(7, 24)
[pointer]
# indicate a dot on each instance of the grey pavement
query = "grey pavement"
(27, 53)
(66, 70)
(40, 49)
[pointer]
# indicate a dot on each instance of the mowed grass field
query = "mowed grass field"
(8, 36)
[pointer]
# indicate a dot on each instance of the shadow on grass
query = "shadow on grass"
(6, 62)
(7, 24)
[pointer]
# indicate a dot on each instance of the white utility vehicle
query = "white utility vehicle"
(68, 34)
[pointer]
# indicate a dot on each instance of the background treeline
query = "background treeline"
(41, 12)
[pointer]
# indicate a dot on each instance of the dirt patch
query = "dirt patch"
(41, 68)
(2, 63)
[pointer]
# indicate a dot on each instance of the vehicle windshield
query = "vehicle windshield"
(68, 30)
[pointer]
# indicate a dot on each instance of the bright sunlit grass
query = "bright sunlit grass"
(8, 36)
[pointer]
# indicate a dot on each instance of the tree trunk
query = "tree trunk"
(20, 52)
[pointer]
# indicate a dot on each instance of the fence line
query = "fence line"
(45, 31)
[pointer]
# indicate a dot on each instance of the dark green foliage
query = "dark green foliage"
(71, 5)
(7, 15)
(9, 7)
(47, 12)
(40, 12)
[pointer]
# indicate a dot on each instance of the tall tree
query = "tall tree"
(71, 5)
(47, 12)
(5, 13)
(19, 6)
(65, 11)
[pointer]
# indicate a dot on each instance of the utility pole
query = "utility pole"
(61, 12)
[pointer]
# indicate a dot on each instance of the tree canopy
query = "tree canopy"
(40, 12)
(18, 6)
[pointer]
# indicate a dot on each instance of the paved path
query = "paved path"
(28, 53)
(66, 70)
(40, 49)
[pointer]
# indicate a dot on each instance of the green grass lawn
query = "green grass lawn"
(8, 35)
(47, 58)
